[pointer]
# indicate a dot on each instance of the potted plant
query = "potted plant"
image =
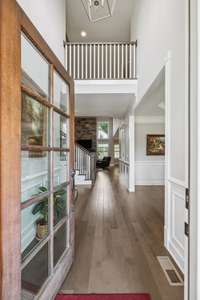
(42, 209)
(59, 205)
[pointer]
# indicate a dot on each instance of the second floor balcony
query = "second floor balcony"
(105, 61)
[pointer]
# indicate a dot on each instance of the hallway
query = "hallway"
(118, 236)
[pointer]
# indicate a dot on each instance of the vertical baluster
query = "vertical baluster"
(86, 61)
(70, 59)
(130, 60)
(114, 61)
(102, 61)
(78, 61)
(66, 57)
(98, 61)
(118, 61)
(94, 61)
(134, 60)
(82, 61)
(78, 167)
(74, 61)
(76, 158)
(89, 161)
(106, 60)
(90, 76)
(126, 61)
(122, 62)
(87, 168)
(110, 68)
(79, 161)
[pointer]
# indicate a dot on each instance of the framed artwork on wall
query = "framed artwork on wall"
(155, 144)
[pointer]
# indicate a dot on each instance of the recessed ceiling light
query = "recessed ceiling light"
(83, 33)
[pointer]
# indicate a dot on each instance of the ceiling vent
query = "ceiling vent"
(98, 10)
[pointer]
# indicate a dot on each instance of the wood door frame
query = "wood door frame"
(12, 21)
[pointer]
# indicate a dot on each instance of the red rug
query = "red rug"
(104, 297)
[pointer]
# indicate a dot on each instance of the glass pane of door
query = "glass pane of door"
(60, 243)
(35, 273)
(35, 68)
(45, 186)
(35, 226)
(61, 93)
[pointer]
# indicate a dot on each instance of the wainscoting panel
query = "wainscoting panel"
(149, 172)
(176, 236)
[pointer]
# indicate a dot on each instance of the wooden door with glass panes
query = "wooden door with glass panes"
(47, 217)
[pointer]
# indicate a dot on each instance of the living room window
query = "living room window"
(116, 151)
(103, 132)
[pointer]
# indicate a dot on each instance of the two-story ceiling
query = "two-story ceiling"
(115, 28)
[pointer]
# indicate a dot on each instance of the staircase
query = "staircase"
(85, 166)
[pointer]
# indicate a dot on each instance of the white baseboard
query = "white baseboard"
(174, 234)
(176, 256)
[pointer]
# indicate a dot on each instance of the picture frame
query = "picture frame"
(34, 125)
(155, 144)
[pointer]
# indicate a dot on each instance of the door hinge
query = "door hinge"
(186, 229)
(187, 198)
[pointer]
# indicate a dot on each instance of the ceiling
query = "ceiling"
(153, 102)
(105, 105)
(113, 29)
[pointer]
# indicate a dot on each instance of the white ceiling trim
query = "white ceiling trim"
(106, 87)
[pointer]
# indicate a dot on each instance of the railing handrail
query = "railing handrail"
(85, 162)
(101, 60)
(84, 149)
(101, 43)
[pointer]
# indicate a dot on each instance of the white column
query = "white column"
(131, 127)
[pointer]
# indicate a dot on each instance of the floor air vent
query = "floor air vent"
(170, 271)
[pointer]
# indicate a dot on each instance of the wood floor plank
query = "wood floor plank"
(118, 238)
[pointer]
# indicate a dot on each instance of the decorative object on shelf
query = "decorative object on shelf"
(42, 209)
(155, 144)
(98, 10)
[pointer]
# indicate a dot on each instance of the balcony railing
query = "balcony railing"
(101, 60)
(85, 163)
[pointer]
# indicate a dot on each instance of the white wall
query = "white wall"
(149, 170)
(49, 17)
(161, 28)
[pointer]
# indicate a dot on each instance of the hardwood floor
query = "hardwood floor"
(118, 237)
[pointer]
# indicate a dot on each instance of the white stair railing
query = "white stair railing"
(85, 163)
(101, 60)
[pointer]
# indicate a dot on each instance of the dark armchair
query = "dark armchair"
(103, 163)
